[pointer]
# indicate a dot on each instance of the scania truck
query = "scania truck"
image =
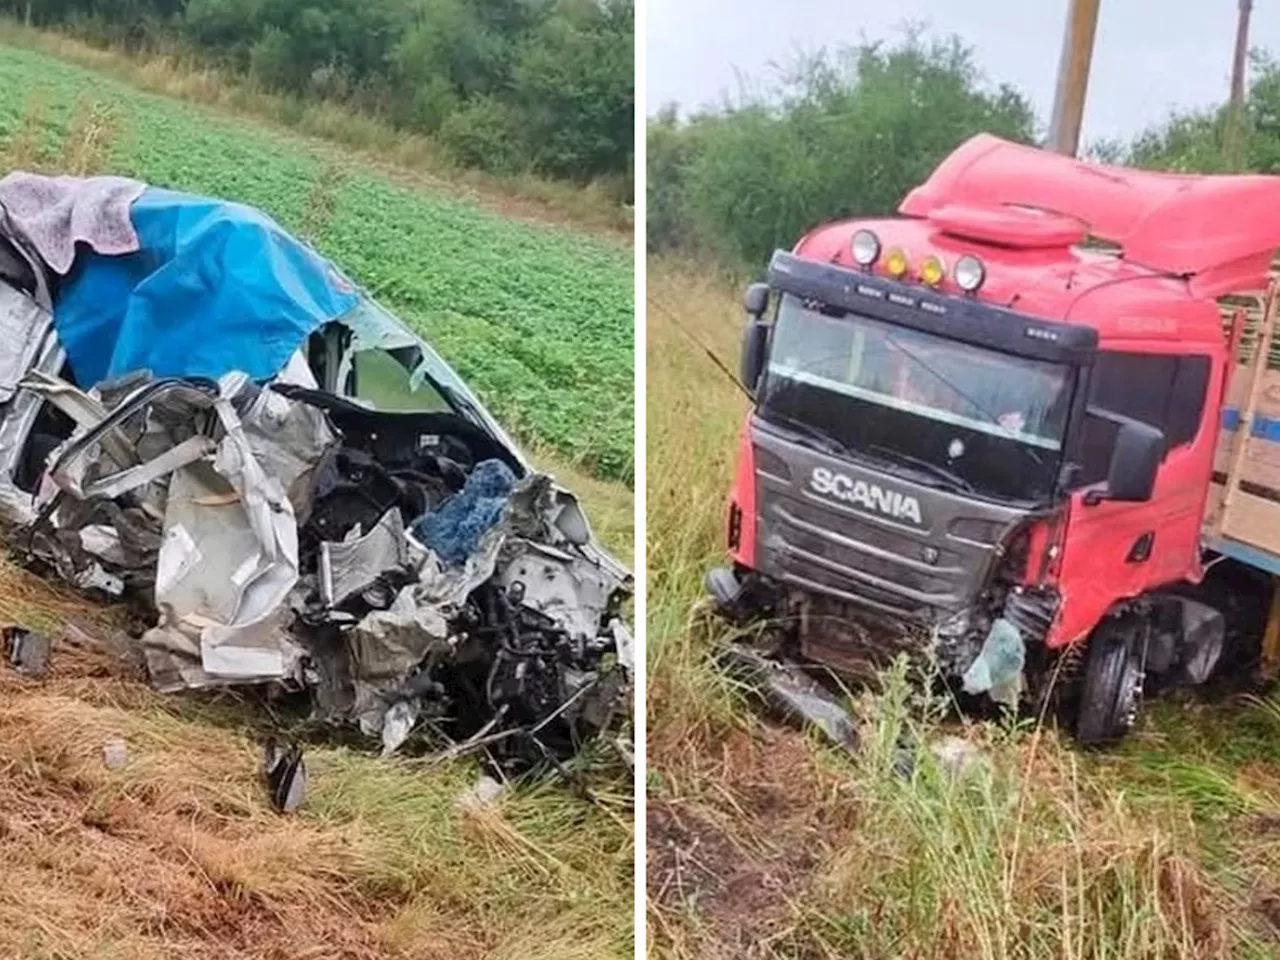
(1029, 428)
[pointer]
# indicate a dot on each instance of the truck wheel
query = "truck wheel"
(1112, 688)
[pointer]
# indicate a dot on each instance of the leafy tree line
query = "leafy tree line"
(850, 133)
(505, 85)
(1196, 141)
(843, 133)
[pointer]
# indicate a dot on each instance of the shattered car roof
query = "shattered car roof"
(186, 422)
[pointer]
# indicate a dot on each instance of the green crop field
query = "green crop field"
(537, 318)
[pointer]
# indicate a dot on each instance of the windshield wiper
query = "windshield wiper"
(828, 443)
(873, 455)
(933, 469)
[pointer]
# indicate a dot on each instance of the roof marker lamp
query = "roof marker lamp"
(865, 247)
(895, 263)
(932, 270)
(970, 274)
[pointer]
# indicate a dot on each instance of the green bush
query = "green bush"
(575, 87)
(842, 134)
(669, 151)
(481, 134)
(557, 73)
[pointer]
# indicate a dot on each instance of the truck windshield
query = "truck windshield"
(956, 415)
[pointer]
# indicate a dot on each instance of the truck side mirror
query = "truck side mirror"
(756, 300)
(1135, 461)
(755, 339)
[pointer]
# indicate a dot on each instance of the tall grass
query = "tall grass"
(1033, 850)
(1020, 854)
(692, 413)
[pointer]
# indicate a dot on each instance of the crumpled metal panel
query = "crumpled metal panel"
(386, 647)
(570, 590)
(229, 559)
(290, 440)
(23, 324)
(354, 565)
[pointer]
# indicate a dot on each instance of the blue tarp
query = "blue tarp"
(214, 287)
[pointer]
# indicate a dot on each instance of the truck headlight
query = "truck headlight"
(865, 247)
(970, 273)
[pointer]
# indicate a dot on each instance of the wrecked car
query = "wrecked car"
(202, 415)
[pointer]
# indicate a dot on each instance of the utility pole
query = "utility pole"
(1233, 135)
(1073, 76)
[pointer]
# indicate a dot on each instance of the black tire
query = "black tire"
(1111, 692)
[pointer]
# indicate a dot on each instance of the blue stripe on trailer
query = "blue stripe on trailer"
(1262, 426)
(1252, 556)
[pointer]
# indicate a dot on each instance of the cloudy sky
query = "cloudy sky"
(1150, 55)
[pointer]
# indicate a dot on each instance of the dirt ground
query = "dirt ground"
(737, 859)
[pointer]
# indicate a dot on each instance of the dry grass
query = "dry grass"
(364, 139)
(763, 843)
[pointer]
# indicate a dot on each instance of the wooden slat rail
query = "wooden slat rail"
(1248, 409)
(1244, 514)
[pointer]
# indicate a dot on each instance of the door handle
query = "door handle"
(1140, 552)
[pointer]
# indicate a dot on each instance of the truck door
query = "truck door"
(1114, 550)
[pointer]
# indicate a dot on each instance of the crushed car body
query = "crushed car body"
(201, 413)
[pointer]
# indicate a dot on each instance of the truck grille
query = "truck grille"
(818, 543)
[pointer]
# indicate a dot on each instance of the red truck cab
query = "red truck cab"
(987, 429)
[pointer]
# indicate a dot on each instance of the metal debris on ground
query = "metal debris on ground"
(484, 793)
(115, 754)
(217, 426)
(957, 756)
(80, 636)
(27, 652)
(793, 696)
(285, 773)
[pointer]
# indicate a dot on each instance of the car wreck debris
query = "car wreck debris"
(240, 481)
(27, 652)
(285, 773)
(484, 793)
(115, 754)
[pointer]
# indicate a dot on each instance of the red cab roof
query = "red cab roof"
(1219, 231)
